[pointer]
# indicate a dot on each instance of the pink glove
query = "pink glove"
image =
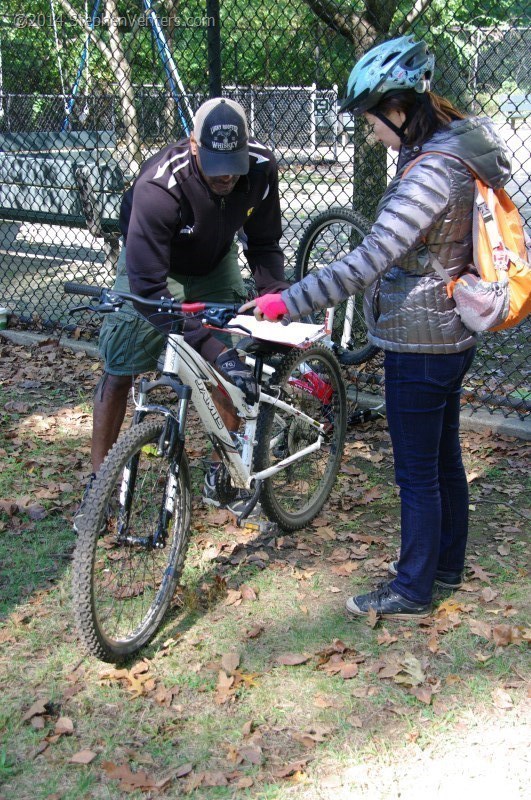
(272, 306)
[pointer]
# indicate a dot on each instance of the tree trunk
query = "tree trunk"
(122, 72)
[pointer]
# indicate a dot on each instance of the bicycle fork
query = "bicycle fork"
(169, 446)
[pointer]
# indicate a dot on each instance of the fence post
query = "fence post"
(313, 120)
(214, 48)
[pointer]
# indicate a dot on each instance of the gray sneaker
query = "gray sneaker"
(210, 497)
(387, 603)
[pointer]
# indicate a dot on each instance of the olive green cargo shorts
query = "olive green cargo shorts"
(129, 345)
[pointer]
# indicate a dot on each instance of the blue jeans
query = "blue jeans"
(422, 404)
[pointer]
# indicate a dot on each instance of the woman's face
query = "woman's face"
(384, 134)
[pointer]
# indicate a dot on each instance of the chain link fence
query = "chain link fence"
(90, 88)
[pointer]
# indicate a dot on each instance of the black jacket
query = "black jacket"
(174, 225)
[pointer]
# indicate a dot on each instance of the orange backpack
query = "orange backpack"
(494, 292)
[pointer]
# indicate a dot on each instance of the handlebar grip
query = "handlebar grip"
(82, 288)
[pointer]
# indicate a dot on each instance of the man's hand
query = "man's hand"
(270, 307)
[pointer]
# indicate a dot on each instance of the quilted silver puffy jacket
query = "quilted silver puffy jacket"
(406, 306)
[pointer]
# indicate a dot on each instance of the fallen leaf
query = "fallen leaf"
(372, 617)
(315, 735)
(234, 597)
(230, 661)
(346, 569)
(410, 672)
(320, 701)
(224, 689)
(480, 628)
(501, 699)
(251, 753)
(369, 496)
(389, 670)
(292, 659)
(64, 726)
(422, 693)
(183, 770)
(488, 594)
(214, 777)
(385, 638)
(448, 607)
(38, 707)
(349, 671)
(503, 635)
(255, 631)
(290, 769)
(248, 593)
(479, 572)
(245, 782)
(83, 757)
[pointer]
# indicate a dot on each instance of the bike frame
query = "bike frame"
(182, 361)
(347, 323)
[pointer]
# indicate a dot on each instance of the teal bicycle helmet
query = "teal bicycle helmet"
(397, 64)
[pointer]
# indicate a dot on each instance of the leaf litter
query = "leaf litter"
(354, 547)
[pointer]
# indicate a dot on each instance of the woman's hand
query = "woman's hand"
(270, 307)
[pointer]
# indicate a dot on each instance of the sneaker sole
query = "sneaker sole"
(208, 501)
(392, 571)
(352, 609)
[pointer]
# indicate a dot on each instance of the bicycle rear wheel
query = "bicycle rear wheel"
(132, 542)
(311, 382)
(328, 237)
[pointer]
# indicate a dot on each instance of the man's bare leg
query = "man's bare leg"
(110, 404)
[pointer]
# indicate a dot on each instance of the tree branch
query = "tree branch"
(353, 26)
(417, 11)
(73, 14)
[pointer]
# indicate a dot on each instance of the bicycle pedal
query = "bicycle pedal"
(260, 526)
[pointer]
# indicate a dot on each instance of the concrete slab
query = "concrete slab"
(471, 420)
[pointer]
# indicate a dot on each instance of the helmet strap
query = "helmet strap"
(400, 131)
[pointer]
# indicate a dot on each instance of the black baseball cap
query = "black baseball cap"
(222, 135)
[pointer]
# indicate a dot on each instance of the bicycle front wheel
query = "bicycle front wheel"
(328, 237)
(310, 381)
(132, 542)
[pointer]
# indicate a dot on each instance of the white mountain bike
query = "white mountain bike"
(133, 535)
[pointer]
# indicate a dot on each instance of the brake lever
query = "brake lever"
(218, 317)
(239, 327)
(101, 308)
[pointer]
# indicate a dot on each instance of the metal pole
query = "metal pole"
(214, 48)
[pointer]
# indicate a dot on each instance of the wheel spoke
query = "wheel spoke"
(311, 383)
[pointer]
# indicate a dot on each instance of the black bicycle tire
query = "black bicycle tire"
(94, 638)
(323, 220)
(271, 506)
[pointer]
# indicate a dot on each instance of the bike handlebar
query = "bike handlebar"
(166, 304)
(82, 288)
(110, 299)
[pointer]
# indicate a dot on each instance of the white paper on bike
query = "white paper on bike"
(297, 334)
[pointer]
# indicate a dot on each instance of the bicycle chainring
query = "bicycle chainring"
(224, 488)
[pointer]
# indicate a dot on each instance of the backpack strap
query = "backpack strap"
(434, 263)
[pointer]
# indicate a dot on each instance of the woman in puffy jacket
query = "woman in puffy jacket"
(426, 210)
